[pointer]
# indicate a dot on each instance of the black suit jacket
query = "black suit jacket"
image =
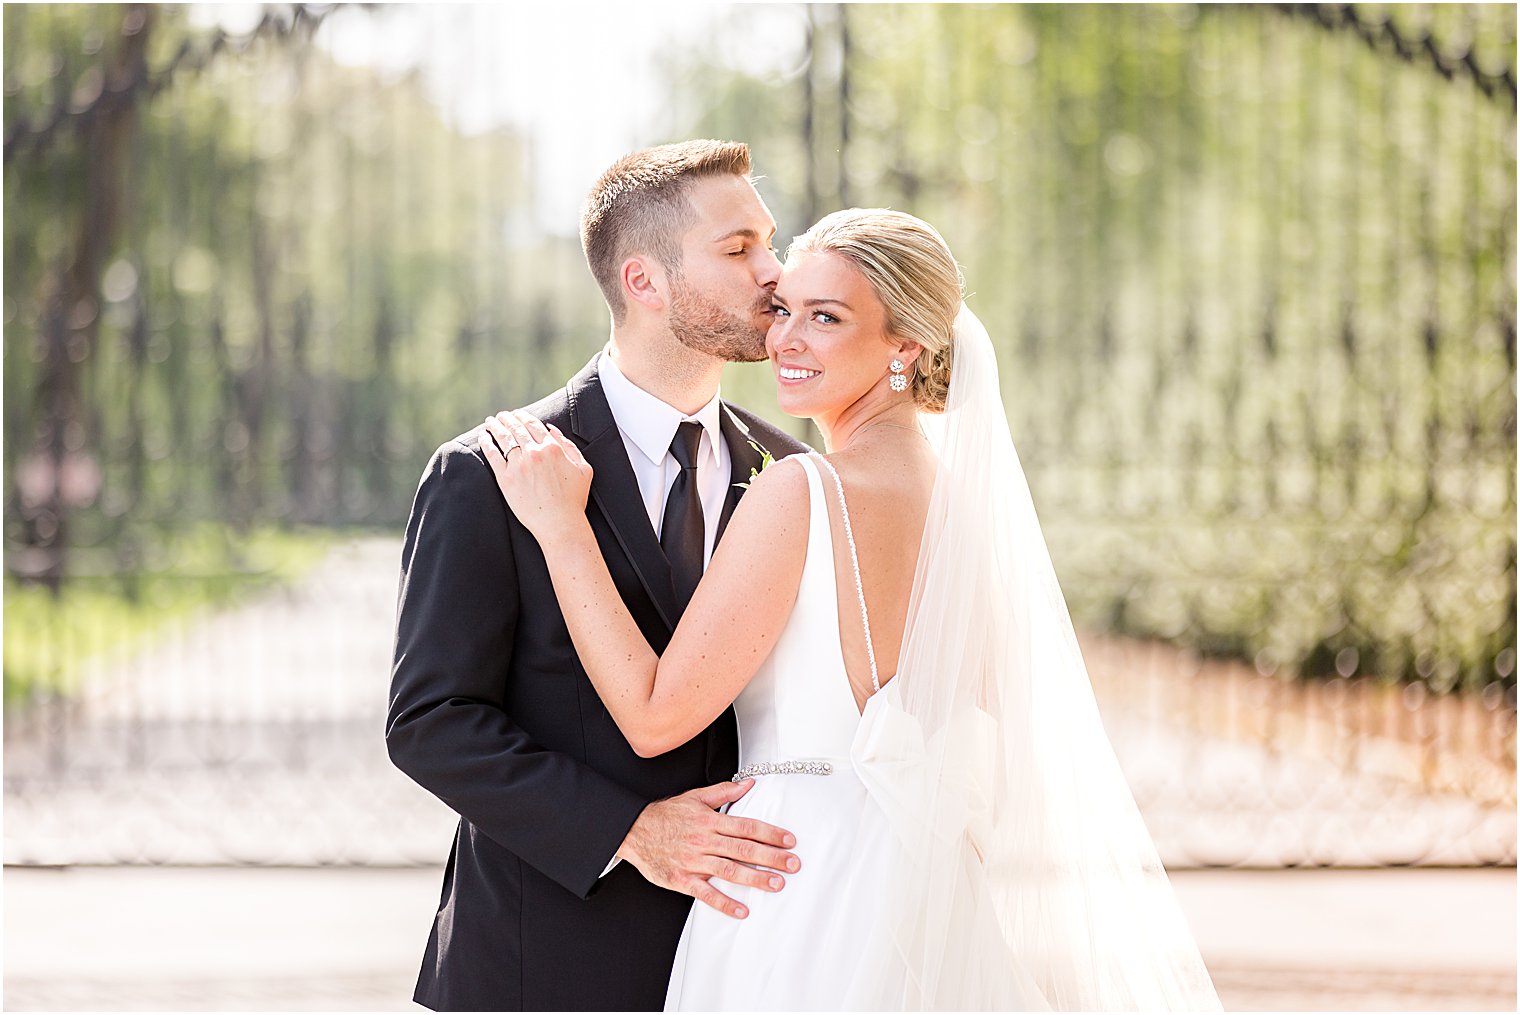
(491, 711)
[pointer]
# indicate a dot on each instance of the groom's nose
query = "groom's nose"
(770, 270)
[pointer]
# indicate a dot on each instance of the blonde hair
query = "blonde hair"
(640, 206)
(910, 268)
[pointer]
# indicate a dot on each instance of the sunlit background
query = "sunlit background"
(1251, 270)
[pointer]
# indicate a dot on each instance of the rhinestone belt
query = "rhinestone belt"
(783, 768)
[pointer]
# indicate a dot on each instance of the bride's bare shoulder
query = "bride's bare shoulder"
(771, 520)
(780, 485)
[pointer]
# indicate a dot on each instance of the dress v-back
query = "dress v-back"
(819, 943)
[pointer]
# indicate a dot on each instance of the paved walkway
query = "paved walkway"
(255, 736)
(283, 939)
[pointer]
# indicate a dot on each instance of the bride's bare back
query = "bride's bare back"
(888, 476)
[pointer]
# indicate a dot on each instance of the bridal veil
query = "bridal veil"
(1024, 876)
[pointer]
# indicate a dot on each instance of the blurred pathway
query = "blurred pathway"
(282, 939)
(255, 735)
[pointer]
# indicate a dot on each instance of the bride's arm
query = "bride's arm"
(730, 625)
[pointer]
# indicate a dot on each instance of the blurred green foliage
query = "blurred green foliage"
(50, 641)
(1252, 277)
(1253, 280)
(308, 272)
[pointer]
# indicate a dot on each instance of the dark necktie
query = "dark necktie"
(683, 532)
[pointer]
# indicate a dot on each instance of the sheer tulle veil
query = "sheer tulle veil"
(1024, 875)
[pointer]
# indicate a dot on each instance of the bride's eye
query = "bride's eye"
(824, 317)
(779, 310)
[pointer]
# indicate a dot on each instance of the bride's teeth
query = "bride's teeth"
(797, 375)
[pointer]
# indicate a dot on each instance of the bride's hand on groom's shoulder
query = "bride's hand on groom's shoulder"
(539, 471)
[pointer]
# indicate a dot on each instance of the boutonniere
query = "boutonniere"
(766, 461)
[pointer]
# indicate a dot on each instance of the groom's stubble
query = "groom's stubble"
(700, 324)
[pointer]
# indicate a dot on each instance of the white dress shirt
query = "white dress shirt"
(648, 426)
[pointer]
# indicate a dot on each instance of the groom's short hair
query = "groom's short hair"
(640, 206)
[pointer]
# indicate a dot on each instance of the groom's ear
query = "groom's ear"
(644, 282)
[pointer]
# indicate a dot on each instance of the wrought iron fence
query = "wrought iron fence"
(1252, 274)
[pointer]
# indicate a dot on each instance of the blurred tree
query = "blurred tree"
(58, 470)
(280, 254)
(1252, 271)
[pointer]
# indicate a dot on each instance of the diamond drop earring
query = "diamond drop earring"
(898, 381)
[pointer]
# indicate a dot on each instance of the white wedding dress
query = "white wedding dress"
(823, 943)
(801, 949)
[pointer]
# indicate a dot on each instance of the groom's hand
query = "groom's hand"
(682, 842)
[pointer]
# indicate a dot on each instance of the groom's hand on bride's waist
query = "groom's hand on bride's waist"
(684, 842)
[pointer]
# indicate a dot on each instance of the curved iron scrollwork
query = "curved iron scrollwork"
(1382, 34)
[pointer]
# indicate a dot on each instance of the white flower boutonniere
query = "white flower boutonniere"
(766, 461)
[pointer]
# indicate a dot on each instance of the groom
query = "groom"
(571, 873)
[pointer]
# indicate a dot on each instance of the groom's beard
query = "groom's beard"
(699, 323)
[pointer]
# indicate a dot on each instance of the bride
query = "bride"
(911, 699)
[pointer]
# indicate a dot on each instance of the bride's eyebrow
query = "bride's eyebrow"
(841, 304)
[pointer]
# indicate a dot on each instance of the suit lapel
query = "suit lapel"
(744, 460)
(615, 491)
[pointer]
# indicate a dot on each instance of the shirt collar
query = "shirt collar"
(645, 420)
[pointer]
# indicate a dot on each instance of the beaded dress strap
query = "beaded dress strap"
(860, 590)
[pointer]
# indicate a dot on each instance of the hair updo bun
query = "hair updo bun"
(910, 268)
(931, 378)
